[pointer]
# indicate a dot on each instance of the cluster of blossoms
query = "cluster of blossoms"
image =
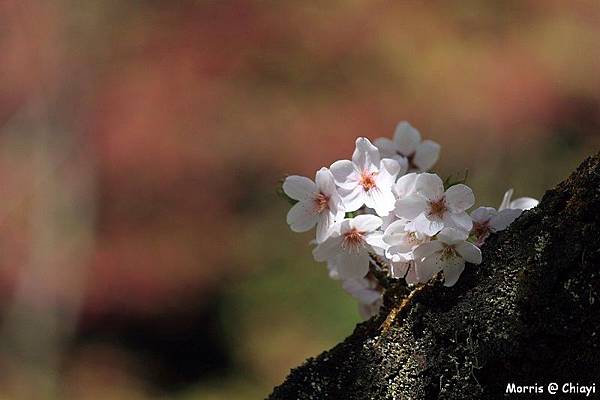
(383, 211)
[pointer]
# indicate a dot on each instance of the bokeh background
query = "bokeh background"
(143, 251)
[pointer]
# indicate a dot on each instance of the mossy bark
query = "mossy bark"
(529, 315)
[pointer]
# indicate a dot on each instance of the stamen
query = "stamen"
(481, 229)
(321, 203)
(448, 252)
(367, 180)
(353, 240)
(438, 208)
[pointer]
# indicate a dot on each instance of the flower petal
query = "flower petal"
(353, 199)
(426, 226)
(483, 214)
(386, 147)
(405, 185)
(452, 236)
(302, 216)
(459, 198)
(328, 250)
(461, 221)
(353, 265)
(399, 269)
(506, 200)
(524, 203)
(426, 267)
(366, 223)
(345, 174)
(299, 187)
(410, 207)
(430, 186)
(453, 267)
(366, 156)
(388, 171)
(426, 155)
(324, 181)
(427, 249)
(325, 223)
(469, 252)
(395, 233)
(406, 138)
(503, 219)
(382, 201)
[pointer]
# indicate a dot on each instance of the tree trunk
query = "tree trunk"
(529, 315)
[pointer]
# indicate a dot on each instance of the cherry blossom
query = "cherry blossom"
(368, 293)
(347, 249)
(447, 253)
(431, 209)
(402, 241)
(318, 203)
(522, 203)
(407, 147)
(487, 220)
(367, 179)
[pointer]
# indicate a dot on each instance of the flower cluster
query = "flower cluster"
(382, 211)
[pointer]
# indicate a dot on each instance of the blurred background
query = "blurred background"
(143, 251)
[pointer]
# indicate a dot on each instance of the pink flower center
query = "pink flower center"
(481, 229)
(321, 203)
(367, 180)
(353, 240)
(438, 208)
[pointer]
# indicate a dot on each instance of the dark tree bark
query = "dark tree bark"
(529, 315)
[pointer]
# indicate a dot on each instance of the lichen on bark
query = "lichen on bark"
(529, 314)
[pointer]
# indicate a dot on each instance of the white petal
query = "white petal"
(452, 236)
(399, 269)
(382, 201)
(367, 311)
(461, 221)
(504, 219)
(410, 206)
(353, 265)
(324, 181)
(406, 138)
(469, 252)
(299, 187)
(375, 240)
(302, 216)
(506, 200)
(365, 156)
(353, 199)
(427, 267)
(459, 198)
(405, 185)
(324, 226)
(366, 223)
(386, 147)
(453, 267)
(427, 226)
(345, 174)
(388, 171)
(328, 250)
(483, 214)
(333, 270)
(430, 186)
(524, 203)
(395, 233)
(426, 155)
(361, 290)
(411, 277)
(427, 249)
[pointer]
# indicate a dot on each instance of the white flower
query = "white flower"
(487, 220)
(347, 249)
(319, 203)
(407, 145)
(366, 311)
(447, 253)
(431, 209)
(366, 180)
(402, 241)
(522, 203)
(404, 269)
